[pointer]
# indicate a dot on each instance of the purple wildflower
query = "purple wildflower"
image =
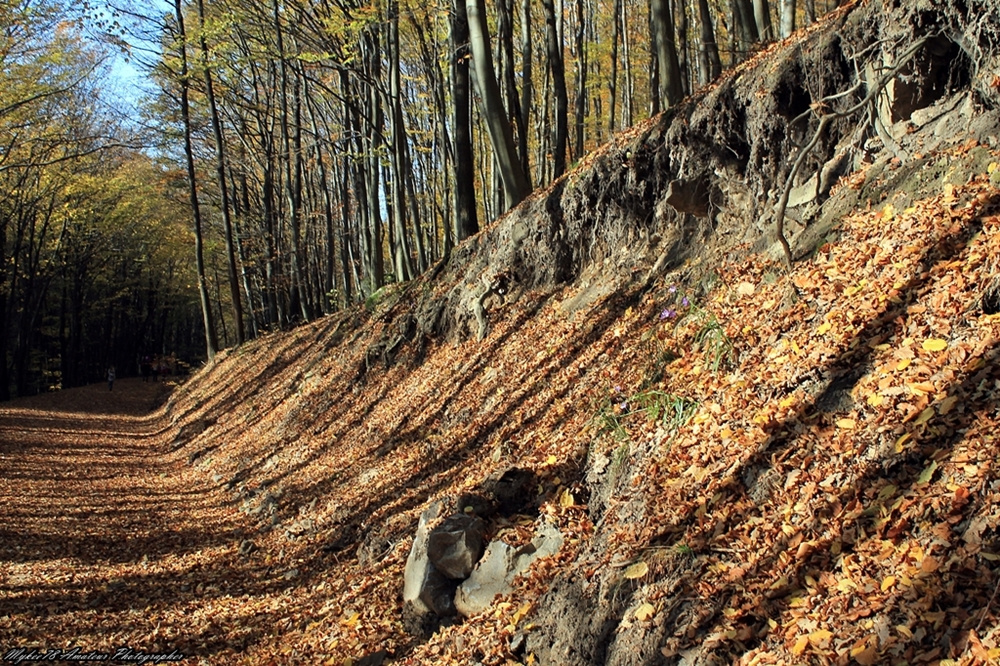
(673, 289)
(685, 302)
(669, 313)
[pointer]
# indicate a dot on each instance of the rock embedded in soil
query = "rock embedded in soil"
(500, 564)
(426, 591)
(454, 546)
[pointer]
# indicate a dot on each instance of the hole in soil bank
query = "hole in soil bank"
(939, 69)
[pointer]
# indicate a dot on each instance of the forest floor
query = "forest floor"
(106, 544)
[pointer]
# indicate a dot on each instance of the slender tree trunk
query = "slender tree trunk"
(711, 64)
(628, 101)
(243, 195)
(553, 44)
(543, 137)
(402, 264)
(787, 18)
(330, 254)
(465, 222)
(581, 81)
(211, 340)
(516, 185)
(437, 165)
(670, 89)
(683, 51)
(762, 16)
(272, 268)
(376, 121)
(4, 373)
(654, 65)
(220, 171)
(613, 79)
(505, 39)
(745, 29)
(526, 86)
(293, 168)
(346, 255)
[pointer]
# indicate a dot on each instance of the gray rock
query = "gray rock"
(373, 659)
(438, 594)
(488, 579)
(246, 547)
(425, 590)
(455, 545)
(499, 566)
(299, 528)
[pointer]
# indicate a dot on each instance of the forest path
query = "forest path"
(106, 540)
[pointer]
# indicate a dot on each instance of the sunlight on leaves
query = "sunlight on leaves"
(934, 345)
(645, 612)
(927, 474)
(637, 570)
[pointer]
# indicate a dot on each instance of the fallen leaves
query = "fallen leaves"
(934, 345)
(635, 571)
(645, 612)
(828, 502)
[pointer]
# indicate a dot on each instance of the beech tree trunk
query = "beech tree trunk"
(220, 171)
(515, 183)
(292, 154)
(613, 79)
(787, 18)
(526, 86)
(668, 68)
(709, 62)
(402, 264)
(553, 45)
(464, 218)
(580, 110)
(211, 339)
(746, 26)
(683, 50)
(762, 16)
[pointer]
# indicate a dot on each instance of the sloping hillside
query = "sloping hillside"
(818, 481)
(749, 463)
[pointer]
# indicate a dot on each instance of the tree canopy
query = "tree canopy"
(305, 154)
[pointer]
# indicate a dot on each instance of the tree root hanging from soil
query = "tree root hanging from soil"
(825, 120)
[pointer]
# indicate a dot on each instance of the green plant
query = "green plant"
(382, 294)
(711, 338)
(609, 417)
(671, 411)
(660, 354)
(374, 299)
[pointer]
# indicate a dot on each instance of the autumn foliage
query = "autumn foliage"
(829, 499)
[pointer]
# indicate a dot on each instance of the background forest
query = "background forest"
(295, 156)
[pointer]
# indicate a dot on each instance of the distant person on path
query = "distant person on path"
(111, 378)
